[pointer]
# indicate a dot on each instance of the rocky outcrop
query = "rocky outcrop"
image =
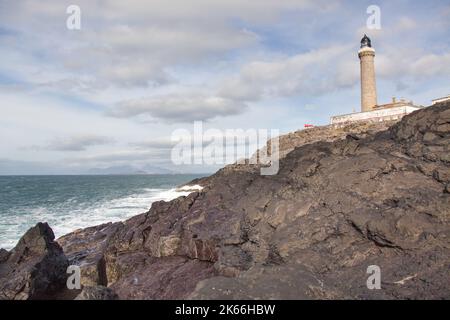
(336, 208)
(35, 268)
(363, 196)
(141, 259)
(85, 248)
(97, 293)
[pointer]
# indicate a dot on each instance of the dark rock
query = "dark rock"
(163, 278)
(4, 254)
(97, 293)
(447, 188)
(287, 282)
(85, 248)
(35, 268)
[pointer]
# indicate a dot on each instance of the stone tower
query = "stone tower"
(368, 85)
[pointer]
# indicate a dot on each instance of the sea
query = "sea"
(68, 203)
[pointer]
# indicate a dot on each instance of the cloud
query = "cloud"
(77, 143)
(311, 73)
(399, 63)
(430, 65)
(132, 44)
(120, 157)
(161, 143)
(179, 108)
(141, 55)
(405, 24)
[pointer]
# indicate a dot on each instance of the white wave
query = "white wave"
(69, 216)
(190, 188)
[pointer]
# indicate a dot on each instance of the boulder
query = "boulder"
(35, 268)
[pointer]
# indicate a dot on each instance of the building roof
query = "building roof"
(442, 99)
(395, 103)
(366, 42)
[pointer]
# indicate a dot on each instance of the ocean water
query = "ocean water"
(71, 202)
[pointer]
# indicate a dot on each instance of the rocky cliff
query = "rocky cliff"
(344, 199)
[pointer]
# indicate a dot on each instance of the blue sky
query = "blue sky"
(113, 92)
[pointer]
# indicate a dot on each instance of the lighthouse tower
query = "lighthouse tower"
(368, 85)
(371, 111)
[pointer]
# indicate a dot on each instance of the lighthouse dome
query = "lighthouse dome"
(366, 42)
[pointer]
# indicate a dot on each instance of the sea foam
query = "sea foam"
(71, 215)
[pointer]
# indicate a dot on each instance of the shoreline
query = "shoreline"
(85, 215)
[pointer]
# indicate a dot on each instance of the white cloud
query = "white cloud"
(119, 157)
(311, 73)
(398, 63)
(77, 143)
(405, 24)
(430, 65)
(178, 108)
(132, 43)
(164, 143)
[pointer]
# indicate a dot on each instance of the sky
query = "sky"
(113, 92)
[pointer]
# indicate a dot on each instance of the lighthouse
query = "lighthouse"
(371, 111)
(368, 84)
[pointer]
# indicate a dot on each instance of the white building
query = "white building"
(439, 100)
(392, 111)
